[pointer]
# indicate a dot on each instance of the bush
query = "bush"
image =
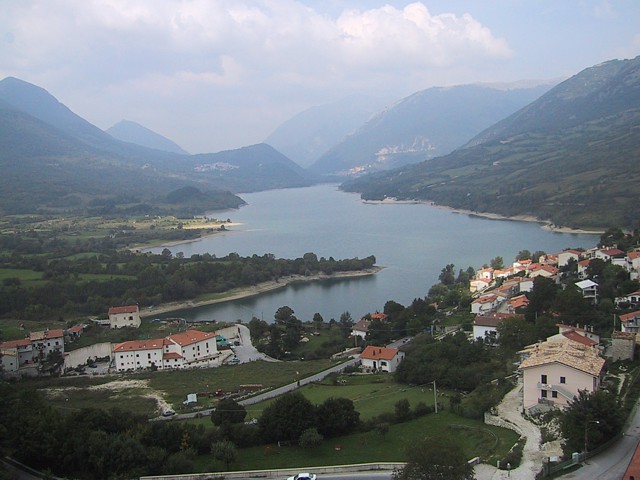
(423, 409)
(513, 458)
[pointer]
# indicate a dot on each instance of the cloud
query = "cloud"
(218, 51)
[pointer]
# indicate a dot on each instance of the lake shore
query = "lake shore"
(250, 291)
(544, 224)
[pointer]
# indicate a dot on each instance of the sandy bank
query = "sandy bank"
(250, 291)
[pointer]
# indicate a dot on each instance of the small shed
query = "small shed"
(191, 400)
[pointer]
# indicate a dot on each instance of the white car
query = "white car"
(303, 476)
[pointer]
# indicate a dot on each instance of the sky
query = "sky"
(215, 75)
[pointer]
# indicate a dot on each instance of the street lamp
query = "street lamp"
(586, 437)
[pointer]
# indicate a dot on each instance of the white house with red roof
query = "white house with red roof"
(383, 359)
(539, 270)
(633, 264)
(361, 328)
(26, 352)
(632, 298)
(127, 316)
(630, 322)
(569, 254)
(478, 284)
(188, 349)
(485, 304)
(555, 371)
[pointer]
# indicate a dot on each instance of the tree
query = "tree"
(541, 297)
(514, 333)
(435, 458)
(225, 451)
(497, 263)
(598, 413)
(228, 412)
(339, 417)
(447, 275)
(310, 438)
(403, 410)
(287, 417)
(523, 255)
(317, 320)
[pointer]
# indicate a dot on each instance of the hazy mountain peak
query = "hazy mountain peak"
(133, 132)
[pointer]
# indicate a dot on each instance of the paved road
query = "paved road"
(613, 462)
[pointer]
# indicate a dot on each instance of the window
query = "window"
(543, 393)
(563, 379)
(543, 379)
(554, 394)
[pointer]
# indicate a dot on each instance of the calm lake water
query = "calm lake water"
(412, 241)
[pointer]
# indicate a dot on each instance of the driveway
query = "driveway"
(533, 455)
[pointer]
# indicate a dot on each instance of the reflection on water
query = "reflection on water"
(412, 241)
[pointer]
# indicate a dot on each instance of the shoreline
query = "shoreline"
(253, 290)
(544, 224)
(173, 243)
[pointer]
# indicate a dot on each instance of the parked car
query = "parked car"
(303, 476)
(235, 360)
(168, 413)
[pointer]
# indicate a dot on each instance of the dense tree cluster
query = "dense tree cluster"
(96, 444)
(89, 276)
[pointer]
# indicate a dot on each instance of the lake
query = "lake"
(412, 241)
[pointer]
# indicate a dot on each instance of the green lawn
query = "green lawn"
(24, 275)
(475, 438)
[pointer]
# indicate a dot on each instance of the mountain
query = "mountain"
(239, 168)
(133, 132)
(424, 125)
(570, 158)
(52, 158)
(309, 134)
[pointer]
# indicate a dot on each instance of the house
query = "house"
(630, 322)
(539, 270)
(384, 359)
(16, 354)
(583, 265)
(74, 332)
(486, 326)
(517, 303)
(525, 285)
(486, 273)
(612, 255)
(128, 316)
(478, 284)
(575, 334)
(46, 341)
(140, 354)
(555, 371)
(26, 352)
(589, 290)
(485, 304)
(629, 299)
(633, 264)
(566, 255)
(361, 328)
(188, 349)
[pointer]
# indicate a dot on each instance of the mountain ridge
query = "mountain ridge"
(567, 158)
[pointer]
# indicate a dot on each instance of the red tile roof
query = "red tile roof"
(576, 337)
(152, 344)
(47, 334)
(127, 309)
(191, 336)
(23, 342)
(629, 316)
(171, 355)
(379, 353)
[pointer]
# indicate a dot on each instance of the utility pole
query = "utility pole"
(435, 397)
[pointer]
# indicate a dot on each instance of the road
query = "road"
(613, 462)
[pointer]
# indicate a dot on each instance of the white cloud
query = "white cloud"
(263, 52)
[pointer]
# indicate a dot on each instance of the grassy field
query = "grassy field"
(475, 438)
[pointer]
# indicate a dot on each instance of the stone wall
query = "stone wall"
(78, 357)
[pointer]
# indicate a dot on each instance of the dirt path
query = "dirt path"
(533, 454)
